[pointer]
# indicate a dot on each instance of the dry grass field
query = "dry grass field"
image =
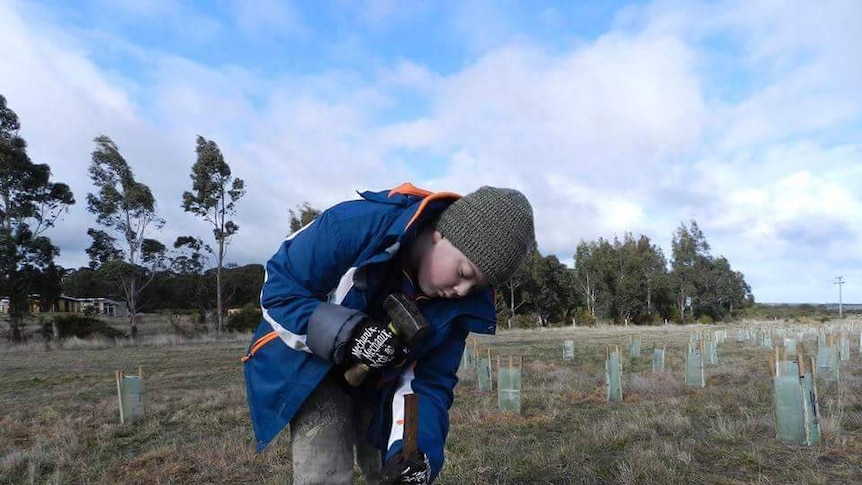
(59, 421)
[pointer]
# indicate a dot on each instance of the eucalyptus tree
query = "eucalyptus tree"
(691, 258)
(214, 194)
(654, 271)
(587, 274)
(724, 288)
(302, 216)
(30, 204)
(629, 287)
(126, 208)
(548, 286)
(514, 294)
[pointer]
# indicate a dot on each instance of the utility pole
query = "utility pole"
(839, 280)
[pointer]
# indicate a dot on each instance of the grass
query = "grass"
(60, 419)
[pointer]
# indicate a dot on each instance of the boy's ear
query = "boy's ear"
(436, 236)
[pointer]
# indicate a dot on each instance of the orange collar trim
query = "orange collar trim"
(426, 200)
(409, 189)
(427, 196)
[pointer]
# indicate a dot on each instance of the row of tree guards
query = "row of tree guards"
(508, 377)
(793, 374)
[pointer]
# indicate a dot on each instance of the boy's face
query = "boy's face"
(444, 271)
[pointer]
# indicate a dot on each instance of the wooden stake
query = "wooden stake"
(511, 362)
(490, 373)
(140, 372)
(773, 370)
(411, 421)
(119, 376)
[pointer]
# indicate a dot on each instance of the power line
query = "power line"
(839, 280)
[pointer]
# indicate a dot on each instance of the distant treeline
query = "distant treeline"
(627, 281)
(786, 311)
(175, 291)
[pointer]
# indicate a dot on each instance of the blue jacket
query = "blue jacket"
(323, 281)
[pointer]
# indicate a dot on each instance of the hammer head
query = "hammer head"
(406, 318)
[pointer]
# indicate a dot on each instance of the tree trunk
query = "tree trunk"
(16, 335)
(219, 303)
(133, 309)
(649, 301)
(511, 304)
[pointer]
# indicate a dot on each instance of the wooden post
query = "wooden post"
(119, 376)
(773, 368)
(140, 372)
(511, 362)
(411, 419)
(490, 374)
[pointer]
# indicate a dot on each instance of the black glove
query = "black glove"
(401, 471)
(376, 345)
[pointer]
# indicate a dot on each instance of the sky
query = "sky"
(611, 117)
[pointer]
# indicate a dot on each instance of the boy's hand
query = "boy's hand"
(400, 471)
(376, 346)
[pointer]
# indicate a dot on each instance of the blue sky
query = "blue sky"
(611, 116)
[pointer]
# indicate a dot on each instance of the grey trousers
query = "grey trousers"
(323, 435)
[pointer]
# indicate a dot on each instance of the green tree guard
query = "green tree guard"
(694, 367)
(635, 347)
(658, 359)
(509, 388)
(790, 346)
(130, 391)
(483, 374)
(795, 398)
(710, 352)
(845, 347)
(828, 363)
(569, 350)
(613, 374)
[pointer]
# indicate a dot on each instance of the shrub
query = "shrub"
(248, 318)
(583, 317)
(80, 326)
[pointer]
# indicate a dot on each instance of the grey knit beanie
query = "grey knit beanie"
(493, 227)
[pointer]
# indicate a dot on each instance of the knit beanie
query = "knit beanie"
(493, 227)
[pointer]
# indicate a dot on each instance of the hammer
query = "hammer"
(407, 323)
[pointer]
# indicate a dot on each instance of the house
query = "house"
(69, 304)
(105, 306)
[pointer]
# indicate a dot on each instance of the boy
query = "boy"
(322, 308)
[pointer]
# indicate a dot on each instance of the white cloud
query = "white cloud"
(267, 18)
(623, 133)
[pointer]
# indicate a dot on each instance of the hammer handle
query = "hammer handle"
(356, 374)
(411, 425)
